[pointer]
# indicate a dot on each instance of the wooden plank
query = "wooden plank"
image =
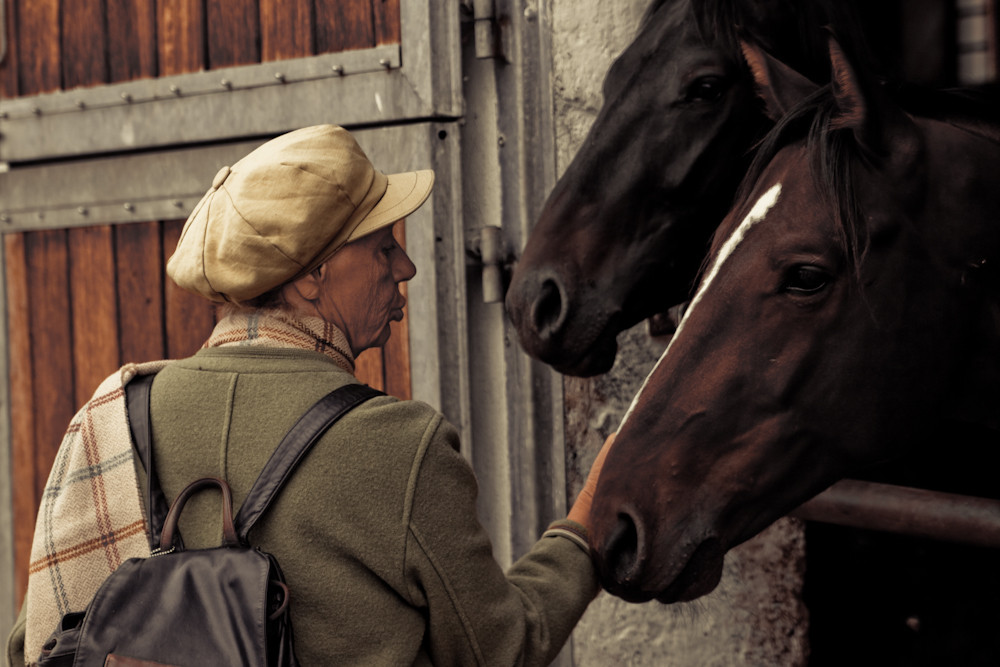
(181, 46)
(38, 60)
(139, 267)
(22, 416)
(189, 318)
(342, 25)
(51, 346)
(8, 68)
(94, 306)
(388, 28)
(131, 39)
(396, 353)
(233, 32)
(368, 368)
(286, 29)
(84, 58)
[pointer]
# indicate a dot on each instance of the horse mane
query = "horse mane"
(835, 155)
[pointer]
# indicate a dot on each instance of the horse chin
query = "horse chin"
(700, 576)
(597, 361)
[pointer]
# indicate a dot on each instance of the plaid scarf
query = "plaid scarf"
(277, 328)
(91, 517)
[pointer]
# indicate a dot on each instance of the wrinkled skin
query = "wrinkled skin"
(794, 365)
(627, 226)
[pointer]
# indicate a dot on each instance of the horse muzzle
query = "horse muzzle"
(632, 568)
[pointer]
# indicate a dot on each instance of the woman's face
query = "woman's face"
(360, 288)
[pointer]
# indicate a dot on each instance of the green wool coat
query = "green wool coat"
(376, 531)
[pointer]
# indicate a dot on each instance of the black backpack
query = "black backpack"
(222, 606)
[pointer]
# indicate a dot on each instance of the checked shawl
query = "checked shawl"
(91, 517)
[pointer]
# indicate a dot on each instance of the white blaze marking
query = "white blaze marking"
(756, 214)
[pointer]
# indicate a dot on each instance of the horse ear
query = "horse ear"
(778, 85)
(864, 108)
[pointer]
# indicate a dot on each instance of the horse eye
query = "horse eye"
(806, 280)
(705, 89)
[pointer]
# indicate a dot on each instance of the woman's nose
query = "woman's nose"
(404, 269)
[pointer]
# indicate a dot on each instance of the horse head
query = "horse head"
(624, 231)
(839, 315)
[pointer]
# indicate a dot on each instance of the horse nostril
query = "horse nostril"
(621, 555)
(548, 311)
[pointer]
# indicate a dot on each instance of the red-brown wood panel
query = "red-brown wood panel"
(53, 401)
(189, 317)
(181, 41)
(140, 291)
(131, 39)
(39, 58)
(341, 26)
(286, 29)
(8, 68)
(233, 32)
(94, 308)
(388, 29)
(22, 415)
(369, 369)
(83, 29)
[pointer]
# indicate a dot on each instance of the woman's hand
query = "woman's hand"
(580, 512)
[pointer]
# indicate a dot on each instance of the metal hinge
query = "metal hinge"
(489, 30)
(485, 248)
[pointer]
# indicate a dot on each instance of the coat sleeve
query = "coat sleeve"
(477, 614)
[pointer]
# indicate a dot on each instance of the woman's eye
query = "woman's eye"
(705, 89)
(805, 280)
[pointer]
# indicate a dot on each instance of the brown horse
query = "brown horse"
(624, 231)
(849, 301)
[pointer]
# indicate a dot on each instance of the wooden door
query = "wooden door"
(83, 299)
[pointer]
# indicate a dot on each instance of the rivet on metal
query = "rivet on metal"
(3, 115)
(279, 76)
(36, 110)
(384, 62)
(178, 203)
(227, 84)
(5, 218)
(127, 97)
(175, 89)
(40, 215)
(82, 210)
(80, 104)
(337, 69)
(129, 207)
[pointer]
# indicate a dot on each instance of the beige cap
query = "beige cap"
(284, 209)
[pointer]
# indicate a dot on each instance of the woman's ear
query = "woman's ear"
(309, 286)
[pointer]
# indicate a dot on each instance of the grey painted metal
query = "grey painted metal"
(908, 511)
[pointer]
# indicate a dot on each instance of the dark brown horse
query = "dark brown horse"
(624, 231)
(850, 301)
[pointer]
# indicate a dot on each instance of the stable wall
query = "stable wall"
(756, 616)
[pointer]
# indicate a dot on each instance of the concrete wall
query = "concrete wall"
(756, 616)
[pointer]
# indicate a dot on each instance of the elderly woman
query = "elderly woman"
(376, 531)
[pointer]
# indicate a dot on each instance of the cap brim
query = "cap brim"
(405, 193)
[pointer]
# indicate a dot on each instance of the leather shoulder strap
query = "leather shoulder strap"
(137, 393)
(299, 439)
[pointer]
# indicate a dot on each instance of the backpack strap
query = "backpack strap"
(137, 393)
(299, 439)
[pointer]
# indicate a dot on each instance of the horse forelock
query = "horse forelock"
(757, 213)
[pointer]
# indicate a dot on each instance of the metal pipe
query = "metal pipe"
(908, 511)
